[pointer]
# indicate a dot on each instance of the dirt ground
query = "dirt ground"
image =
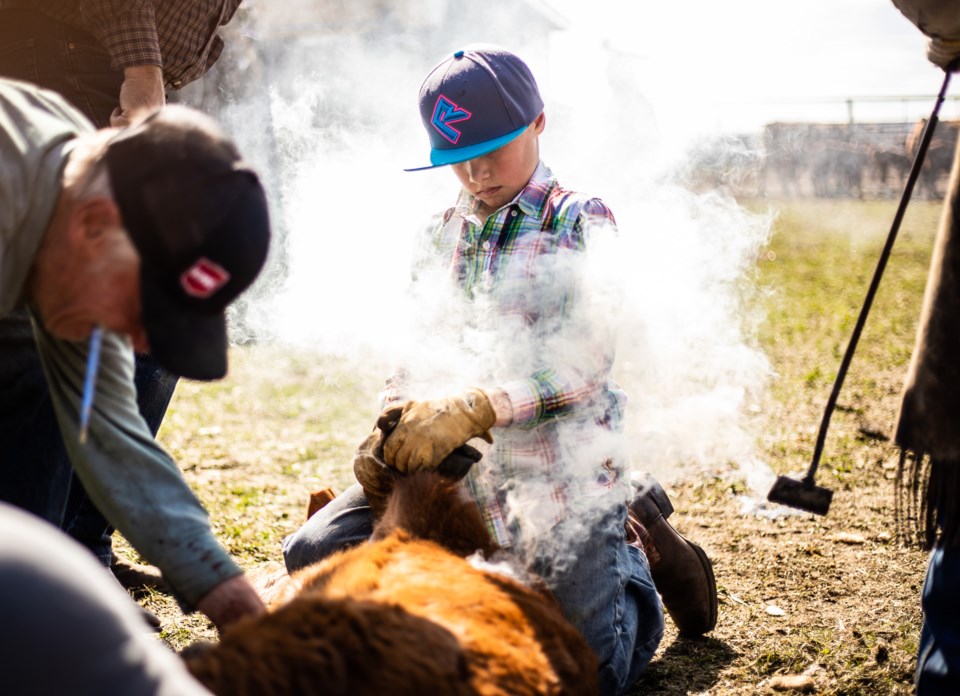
(833, 599)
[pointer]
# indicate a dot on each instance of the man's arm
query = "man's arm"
(939, 20)
(141, 94)
(574, 349)
(135, 484)
(127, 29)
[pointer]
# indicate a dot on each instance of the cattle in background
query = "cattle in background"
(939, 158)
(783, 160)
(730, 163)
(862, 160)
(837, 168)
(406, 613)
(891, 166)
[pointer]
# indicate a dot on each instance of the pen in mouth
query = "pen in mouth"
(90, 381)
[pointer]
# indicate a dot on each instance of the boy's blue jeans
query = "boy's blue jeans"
(35, 472)
(608, 593)
(938, 662)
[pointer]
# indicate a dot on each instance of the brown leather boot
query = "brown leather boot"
(681, 570)
(137, 578)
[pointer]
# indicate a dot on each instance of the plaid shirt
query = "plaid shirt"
(178, 35)
(520, 273)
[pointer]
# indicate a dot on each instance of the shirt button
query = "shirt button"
(71, 45)
(177, 84)
(513, 213)
(486, 245)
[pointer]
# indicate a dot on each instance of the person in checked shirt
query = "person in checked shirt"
(112, 58)
(537, 334)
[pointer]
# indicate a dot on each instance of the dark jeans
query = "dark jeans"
(938, 664)
(54, 55)
(35, 472)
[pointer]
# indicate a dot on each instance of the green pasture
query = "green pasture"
(285, 422)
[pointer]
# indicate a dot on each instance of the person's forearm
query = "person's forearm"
(129, 35)
(231, 601)
(146, 499)
(141, 94)
(133, 482)
(547, 395)
(502, 406)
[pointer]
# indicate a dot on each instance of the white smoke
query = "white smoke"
(332, 120)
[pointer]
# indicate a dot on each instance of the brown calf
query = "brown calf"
(406, 613)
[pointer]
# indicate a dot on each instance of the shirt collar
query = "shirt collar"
(532, 198)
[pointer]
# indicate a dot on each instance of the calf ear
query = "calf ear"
(389, 419)
(318, 499)
(457, 464)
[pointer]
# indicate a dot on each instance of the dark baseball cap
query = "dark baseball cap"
(198, 217)
(476, 101)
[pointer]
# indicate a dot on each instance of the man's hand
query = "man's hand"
(231, 600)
(430, 430)
(140, 95)
(940, 22)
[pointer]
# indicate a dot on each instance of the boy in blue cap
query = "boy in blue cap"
(552, 486)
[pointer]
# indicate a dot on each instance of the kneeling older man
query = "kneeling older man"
(143, 236)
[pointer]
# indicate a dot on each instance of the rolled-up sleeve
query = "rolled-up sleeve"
(578, 349)
(126, 28)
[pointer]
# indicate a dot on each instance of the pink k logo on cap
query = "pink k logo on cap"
(446, 112)
(203, 278)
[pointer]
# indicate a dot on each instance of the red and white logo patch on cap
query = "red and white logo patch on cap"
(203, 278)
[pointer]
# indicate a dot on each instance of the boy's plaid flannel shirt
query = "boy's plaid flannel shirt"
(521, 273)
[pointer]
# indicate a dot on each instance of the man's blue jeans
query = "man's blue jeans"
(35, 472)
(607, 593)
(938, 662)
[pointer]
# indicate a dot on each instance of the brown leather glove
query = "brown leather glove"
(374, 476)
(940, 22)
(430, 430)
(377, 479)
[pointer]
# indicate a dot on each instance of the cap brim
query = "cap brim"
(186, 343)
(442, 158)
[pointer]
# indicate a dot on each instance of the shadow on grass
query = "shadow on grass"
(689, 665)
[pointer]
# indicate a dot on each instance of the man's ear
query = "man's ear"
(91, 218)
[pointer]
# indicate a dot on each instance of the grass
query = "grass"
(286, 422)
(849, 591)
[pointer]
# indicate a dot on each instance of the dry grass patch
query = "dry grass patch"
(835, 598)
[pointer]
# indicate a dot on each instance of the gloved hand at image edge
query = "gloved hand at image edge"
(944, 53)
(940, 22)
(428, 431)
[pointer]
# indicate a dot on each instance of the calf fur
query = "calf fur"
(405, 614)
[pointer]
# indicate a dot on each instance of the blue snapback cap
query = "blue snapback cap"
(476, 101)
